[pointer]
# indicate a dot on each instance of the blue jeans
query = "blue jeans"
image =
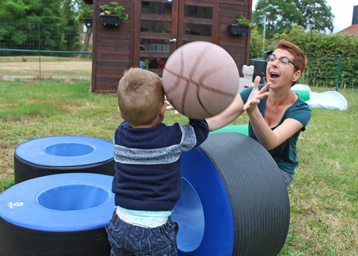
(127, 239)
(287, 177)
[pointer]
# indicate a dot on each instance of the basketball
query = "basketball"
(200, 79)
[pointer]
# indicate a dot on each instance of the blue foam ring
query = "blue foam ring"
(60, 202)
(65, 151)
(204, 213)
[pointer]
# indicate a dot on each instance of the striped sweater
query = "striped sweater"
(147, 163)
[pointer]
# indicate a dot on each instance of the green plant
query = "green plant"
(242, 21)
(114, 10)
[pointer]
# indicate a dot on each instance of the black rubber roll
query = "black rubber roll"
(57, 215)
(25, 170)
(88, 242)
(258, 195)
(62, 154)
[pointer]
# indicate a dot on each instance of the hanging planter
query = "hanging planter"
(88, 22)
(241, 27)
(235, 29)
(110, 20)
(112, 15)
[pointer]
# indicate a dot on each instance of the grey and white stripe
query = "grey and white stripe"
(165, 155)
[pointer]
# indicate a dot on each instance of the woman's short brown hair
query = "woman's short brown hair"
(140, 96)
(300, 59)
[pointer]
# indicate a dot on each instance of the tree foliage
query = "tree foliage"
(319, 45)
(22, 20)
(281, 15)
(256, 42)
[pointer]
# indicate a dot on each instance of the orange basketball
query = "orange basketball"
(200, 79)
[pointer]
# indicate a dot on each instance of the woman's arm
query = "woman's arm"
(269, 138)
(233, 111)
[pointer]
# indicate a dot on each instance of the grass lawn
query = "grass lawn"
(323, 195)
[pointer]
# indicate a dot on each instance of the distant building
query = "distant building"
(353, 29)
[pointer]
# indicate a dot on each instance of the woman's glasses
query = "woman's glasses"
(282, 60)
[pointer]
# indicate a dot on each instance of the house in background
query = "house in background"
(156, 28)
(353, 29)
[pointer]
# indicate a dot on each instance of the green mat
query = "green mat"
(305, 95)
(239, 128)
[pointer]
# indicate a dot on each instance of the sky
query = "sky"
(342, 10)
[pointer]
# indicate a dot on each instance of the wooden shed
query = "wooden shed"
(156, 28)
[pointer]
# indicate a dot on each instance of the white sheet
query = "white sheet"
(326, 100)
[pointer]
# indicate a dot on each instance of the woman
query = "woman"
(277, 114)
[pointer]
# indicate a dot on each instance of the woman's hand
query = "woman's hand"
(256, 95)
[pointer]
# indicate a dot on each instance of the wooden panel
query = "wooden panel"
(111, 65)
(235, 2)
(111, 49)
(207, 3)
(113, 57)
(108, 34)
(109, 73)
(237, 46)
(95, 19)
(233, 14)
(135, 31)
(198, 21)
(197, 38)
(106, 42)
(109, 82)
(235, 42)
(230, 20)
(119, 49)
(158, 1)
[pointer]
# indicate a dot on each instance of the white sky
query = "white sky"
(342, 10)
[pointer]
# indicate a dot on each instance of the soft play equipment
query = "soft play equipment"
(234, 202)
(200, 79)
(239, 203)
(60, 214)
(305, 95)
(239, 128)
(62, 154)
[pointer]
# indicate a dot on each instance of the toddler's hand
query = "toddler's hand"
(169, 106)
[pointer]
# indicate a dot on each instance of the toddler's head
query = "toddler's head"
(140, 96)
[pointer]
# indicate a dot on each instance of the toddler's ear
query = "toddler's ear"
(163, 108)
(119, 111)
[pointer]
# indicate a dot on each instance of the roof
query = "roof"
(352, 30)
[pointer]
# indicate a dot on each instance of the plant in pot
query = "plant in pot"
(87, 17)
(112, 15)
(241, 27)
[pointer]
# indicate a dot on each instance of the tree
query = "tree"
(84, 10)
(56, 20)
(282, 15)
(20, 21)
(255, 44)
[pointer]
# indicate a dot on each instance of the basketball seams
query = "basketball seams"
(207, 74)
